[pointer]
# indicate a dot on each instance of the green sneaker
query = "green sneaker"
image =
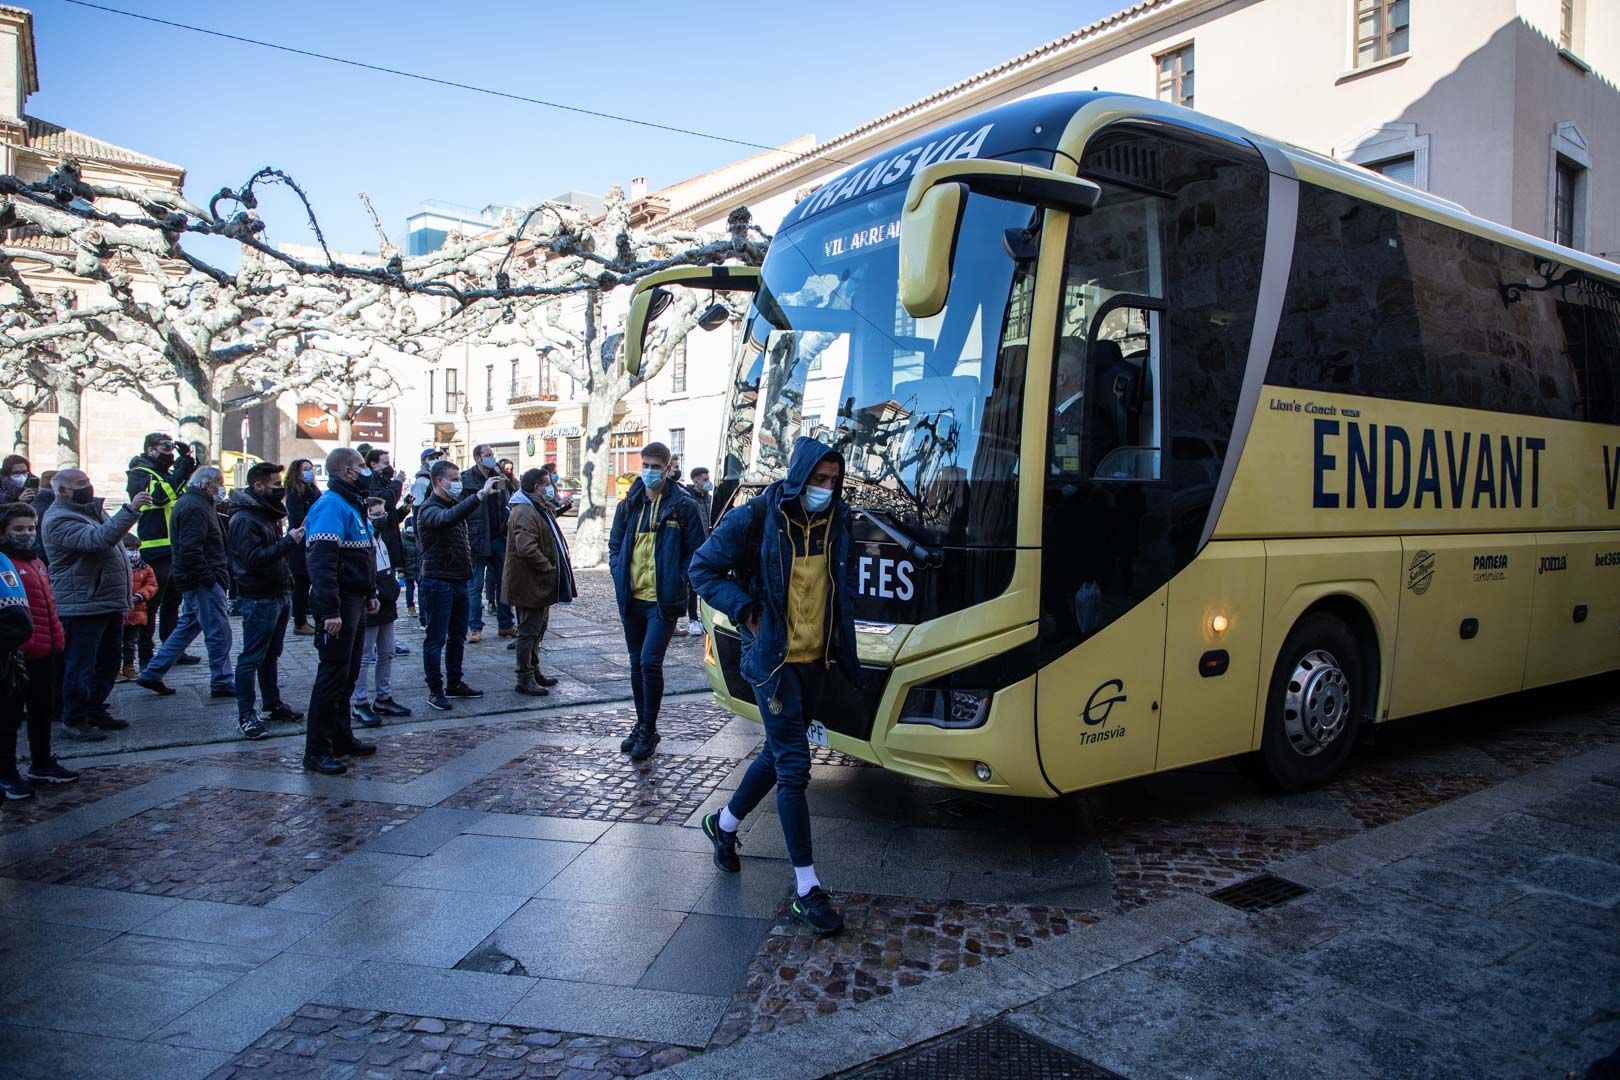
(815, 910)
(725, 844)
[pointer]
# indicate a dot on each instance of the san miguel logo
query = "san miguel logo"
(1420, 574)
(1098, 708)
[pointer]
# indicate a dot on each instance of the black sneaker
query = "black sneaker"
(251, 727)
(815, 910)
(725, 844)
(15, 788)
(51, 772)
(647, 741)
(82, 733)
(326, 764)
(281, 714)
(437, 700)
(223, 692)
(629, 740)
(357, 749)
(108, 722)
(156, 685)
(461, 689)
(363, 716)
(387, 706)
(187, 658)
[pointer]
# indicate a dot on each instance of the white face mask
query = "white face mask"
(455, 488)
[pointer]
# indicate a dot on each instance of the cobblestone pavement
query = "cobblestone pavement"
(505, 894)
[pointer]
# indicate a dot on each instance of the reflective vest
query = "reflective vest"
(167, 507)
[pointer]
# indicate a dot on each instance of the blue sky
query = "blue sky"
(760, 72)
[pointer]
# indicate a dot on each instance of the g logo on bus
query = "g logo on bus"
(1106, 705)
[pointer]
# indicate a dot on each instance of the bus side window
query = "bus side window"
(1122, 423)
(1068, 408)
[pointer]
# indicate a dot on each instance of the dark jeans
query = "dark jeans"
(40, 703)
(300, 600)
(410, 592)
(784, 760)
(531, 628)
(264, 630)
(647, 631)
(444, 606)
(486, 582)
(132, 642)
(90, 665)
(328, 730)
(155, 608)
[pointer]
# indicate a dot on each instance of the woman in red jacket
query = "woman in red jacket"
(42, 654)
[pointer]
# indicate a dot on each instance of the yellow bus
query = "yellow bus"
(1172, 443)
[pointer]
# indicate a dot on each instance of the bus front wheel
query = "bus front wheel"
(1314, 705)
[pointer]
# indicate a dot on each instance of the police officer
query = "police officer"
(161, 470)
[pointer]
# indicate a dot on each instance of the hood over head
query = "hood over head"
(807, 454)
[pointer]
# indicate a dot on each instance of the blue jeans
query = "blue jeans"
(444, 605)
(264, 629)
(90, 665)
(486, 581)
(647, 631)
(202, 612)
(784, 760)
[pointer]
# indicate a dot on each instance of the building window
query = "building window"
(1566, 178)
(489, 387)
(1569, 187)
(1569, 24)
(452, 390)
(513, 392)
(430, 375)
(546, 390)
(1382, 30)
(1402, 168)
(1176, 76)
(680, 366)
(677, 443)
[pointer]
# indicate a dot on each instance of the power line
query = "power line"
(440, 82)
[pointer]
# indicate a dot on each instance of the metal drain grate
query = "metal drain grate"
(999, 1051)
(1259, 893)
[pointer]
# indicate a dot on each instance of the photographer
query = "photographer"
(160, 470)
(486, 535)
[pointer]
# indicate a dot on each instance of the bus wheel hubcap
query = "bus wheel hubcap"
(1317, 704)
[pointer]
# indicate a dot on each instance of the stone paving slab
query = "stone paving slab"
(428, 927)
(236, 1016)
(584, 942)
(619, 1011)
(38, 1054)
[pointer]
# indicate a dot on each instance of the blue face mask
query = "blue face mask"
(365, 472)
(708, 485)
(487, 462)
(817, 499)
(309, 476)
(652, 477)
(551, 490)
(455, 488)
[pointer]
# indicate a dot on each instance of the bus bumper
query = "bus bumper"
(868, 729)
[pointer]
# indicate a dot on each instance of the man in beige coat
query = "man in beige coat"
(535, 576)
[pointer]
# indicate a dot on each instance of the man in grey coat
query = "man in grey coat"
(90, 578)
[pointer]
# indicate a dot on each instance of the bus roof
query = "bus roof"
(1062, 123)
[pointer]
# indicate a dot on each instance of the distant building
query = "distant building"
(434, 219)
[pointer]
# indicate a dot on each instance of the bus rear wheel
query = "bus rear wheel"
(1313, 709)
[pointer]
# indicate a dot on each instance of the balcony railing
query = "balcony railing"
(528, 392)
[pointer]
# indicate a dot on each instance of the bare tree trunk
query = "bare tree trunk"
(590, 537)
(345, 423)
(19, 429)
(69, 401)
(199, 421)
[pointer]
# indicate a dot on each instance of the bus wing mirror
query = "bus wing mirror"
(650, 297)
(933, 211)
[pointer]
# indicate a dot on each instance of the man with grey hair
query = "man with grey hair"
(90, 580)
(202, 573)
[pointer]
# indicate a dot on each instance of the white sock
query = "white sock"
(728, 821)
(807, 878)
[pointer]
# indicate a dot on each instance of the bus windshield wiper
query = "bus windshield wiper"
(926, 555)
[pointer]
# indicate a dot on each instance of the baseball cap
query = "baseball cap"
(431, 452)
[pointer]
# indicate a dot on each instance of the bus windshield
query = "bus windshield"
(925, 411)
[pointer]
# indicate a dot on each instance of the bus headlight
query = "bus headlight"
(946, 708)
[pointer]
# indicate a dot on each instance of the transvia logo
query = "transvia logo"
(956, 146)
(1098, 708)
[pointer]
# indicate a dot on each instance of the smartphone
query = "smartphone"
(32, 483)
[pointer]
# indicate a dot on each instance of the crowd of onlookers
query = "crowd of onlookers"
(89, 598)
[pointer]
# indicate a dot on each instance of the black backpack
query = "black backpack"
(746, 574)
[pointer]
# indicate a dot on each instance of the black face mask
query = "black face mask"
(386, 472)
(277, 494)
(12, 545)
(84, 495)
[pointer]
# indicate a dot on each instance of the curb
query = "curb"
(856, 1035)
